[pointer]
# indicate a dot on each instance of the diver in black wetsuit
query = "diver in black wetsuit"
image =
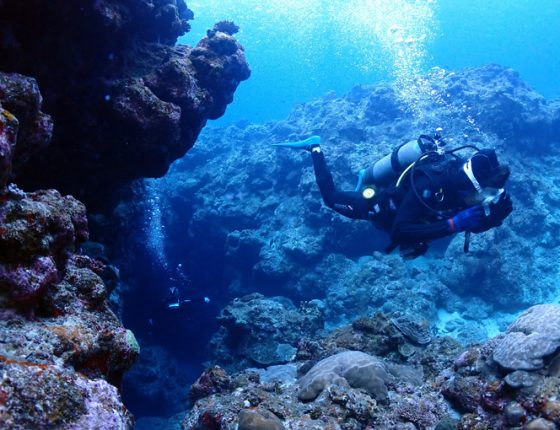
(437, 193)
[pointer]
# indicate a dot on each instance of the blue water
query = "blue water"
(300, 50)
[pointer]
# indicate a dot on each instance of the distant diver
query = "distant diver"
(420, 192)
(173, 301)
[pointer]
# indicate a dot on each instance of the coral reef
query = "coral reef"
(353, 368)
(63, 352)
(114, 82)
(259, 331)
(332, 395)
(530, 339)
(491, 396)
(339, 386)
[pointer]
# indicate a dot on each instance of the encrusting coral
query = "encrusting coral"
(63, 352)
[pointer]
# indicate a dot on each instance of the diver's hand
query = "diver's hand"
(500, 210)
(466, 220)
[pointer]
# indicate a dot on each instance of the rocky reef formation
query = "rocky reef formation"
(513, 380)
(355, 379)
(63, 352)
(126, 102)
(271, 232)
(259, 331)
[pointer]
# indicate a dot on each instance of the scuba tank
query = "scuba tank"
(389, 168)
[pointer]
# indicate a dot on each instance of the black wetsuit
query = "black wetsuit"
(408, 221)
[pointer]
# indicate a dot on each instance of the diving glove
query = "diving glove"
(466, 220)
(501, 210)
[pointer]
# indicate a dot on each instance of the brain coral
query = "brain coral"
(354, 368)
(533, 336)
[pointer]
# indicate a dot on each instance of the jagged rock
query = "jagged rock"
(43, 396)
(37, 233)
(20, 95)
(465, 393)
(8, 133)
(114, 82)
(530, 339)
(213, 380)
(476, 385)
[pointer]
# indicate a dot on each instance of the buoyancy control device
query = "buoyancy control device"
(383, 181)
(380, 182)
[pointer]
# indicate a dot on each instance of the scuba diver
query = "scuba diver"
(420, 192)
(173, 303)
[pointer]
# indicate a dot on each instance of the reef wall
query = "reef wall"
(125, 100)
(63, 352)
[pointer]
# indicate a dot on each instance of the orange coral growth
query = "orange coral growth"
(6, 360)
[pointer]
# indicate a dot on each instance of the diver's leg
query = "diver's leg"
(323, 176)
(350, 204)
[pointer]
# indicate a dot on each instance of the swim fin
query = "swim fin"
(307, 144)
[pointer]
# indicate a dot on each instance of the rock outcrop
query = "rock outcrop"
(63, 352)
(259, 331)
(126, 102)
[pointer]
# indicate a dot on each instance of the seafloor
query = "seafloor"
(318, 328)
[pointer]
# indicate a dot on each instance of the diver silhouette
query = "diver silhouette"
(173, 302)
(420, 192)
